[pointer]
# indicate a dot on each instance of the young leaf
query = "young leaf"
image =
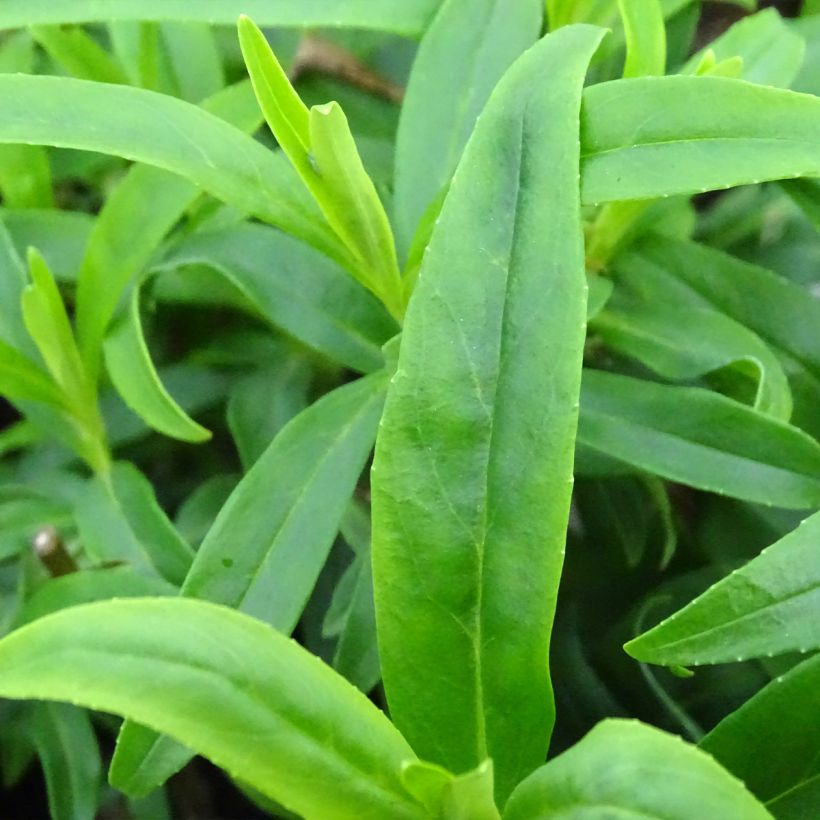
(769, 606)
(12, 283)
(408, 18)
(25, 177)
(473, 470)
(192, 143)
(771, 52)
(781, 716)
(70, 758)
(284, 111)
(627, 769)
(645, 38)
(467, 796)
(700, 438)
(131, 369)
(472, 44)
(714, 133)
(217, 680)
(48, 324)
(320, 146)
(268, 544)
(352, 206)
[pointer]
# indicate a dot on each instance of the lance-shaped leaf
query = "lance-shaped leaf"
(700, 438)
(268, 544)
(131, 369)
(645, 37)
(192, 143)
(148, 202)
(781, 716)
(714, 133)
(780, 312)
(70, 758)
(238, 692)
(409, 17)
(319, 144)
(769, 606)
(290, 286)
(472, 44)
(659, 334)
(626, 769)
(473, 470)
(78, 53)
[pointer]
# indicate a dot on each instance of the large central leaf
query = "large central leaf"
(473, 471)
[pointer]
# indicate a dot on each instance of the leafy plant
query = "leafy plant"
(575, 369)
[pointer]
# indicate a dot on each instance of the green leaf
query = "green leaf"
(780, 312)
(714, 133)
(129, 364)
(625, 769)
(771, 52)
(645, 38)
(352, 206)
(357, 653)
(700, 438)
(193, 144)
(48, 324)
(263, 402)
(452, 797)
(409, 18)
(473, 469)
(285, 113)
(472, 44)
(291, 287)
(193, 53)
(23, 379)
(149, 202)
(781, 717)
(215, 680)
(25, 177)
(70, 757)
(169, 552)
(12, 283)
(78, 53)
(660, 336)
(86, 586)
(323, 152)
(269, 542)
(768, 607)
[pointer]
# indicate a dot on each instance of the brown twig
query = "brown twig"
(323, 57)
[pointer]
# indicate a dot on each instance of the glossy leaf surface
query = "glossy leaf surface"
(767, 607)
(781, 716)
(716, 444)
(269, 542)
(194, 144)
(714, 133)
(473, 468)
(625, 769)
(264, 685)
